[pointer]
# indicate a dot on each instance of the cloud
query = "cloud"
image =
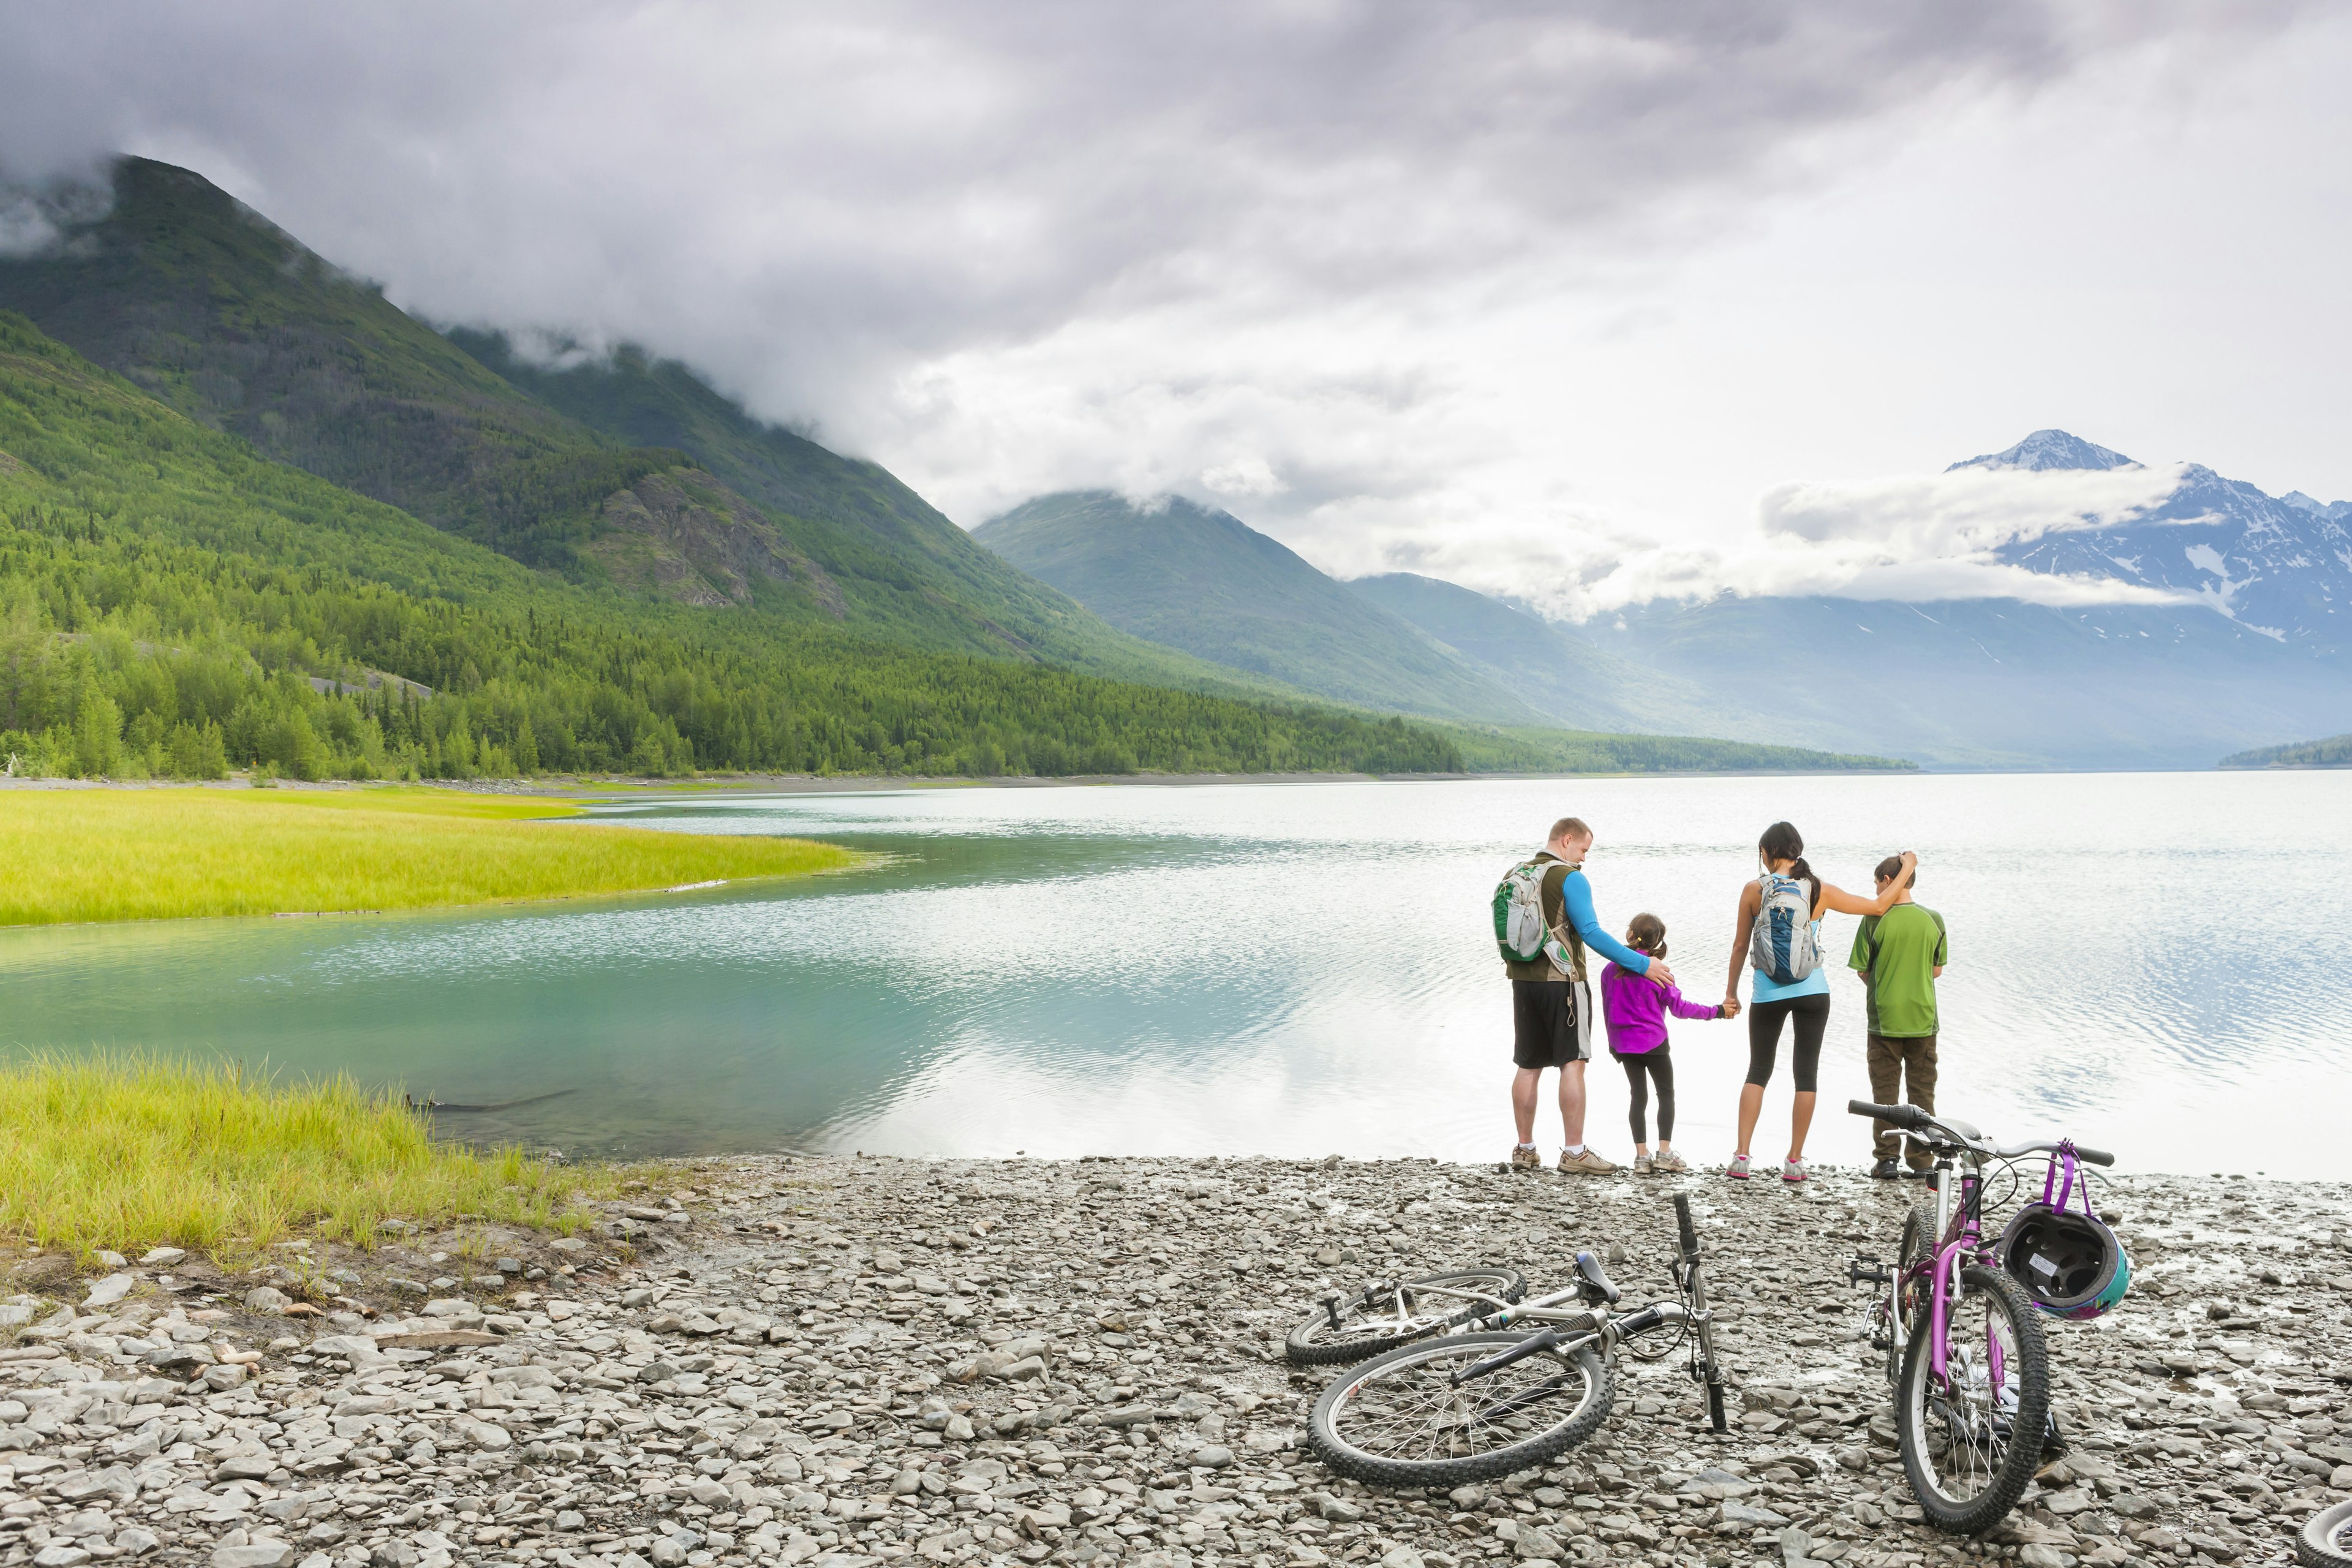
(890, 223)
(1912, 537)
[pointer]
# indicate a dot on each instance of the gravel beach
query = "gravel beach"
(849, 1361)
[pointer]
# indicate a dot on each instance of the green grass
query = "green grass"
(128, 1153)
(167, 854)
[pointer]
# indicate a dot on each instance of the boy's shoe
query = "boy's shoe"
(1795, 1169)
(1738, 1167)
(1668, 1162)
(1589, 1164)
(1526, 1159)
(1887, 1170)
(1643, 1165)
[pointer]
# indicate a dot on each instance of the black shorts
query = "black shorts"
(1546, 1031)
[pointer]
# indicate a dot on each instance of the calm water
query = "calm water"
(2152, 963)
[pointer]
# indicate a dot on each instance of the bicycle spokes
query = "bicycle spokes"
(1419, 1413)
(1967, 1416)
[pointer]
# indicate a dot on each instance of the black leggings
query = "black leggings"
(1640, 1068)
(1813, 1017)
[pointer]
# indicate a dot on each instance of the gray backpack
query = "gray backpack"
(1782, 944)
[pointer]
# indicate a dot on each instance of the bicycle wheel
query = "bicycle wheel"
(1918, 1246)
(1398, 1420)
(2327, 1539)
(1397, 1317)
(1972, 1439)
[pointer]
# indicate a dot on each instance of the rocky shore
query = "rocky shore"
(849, 1361)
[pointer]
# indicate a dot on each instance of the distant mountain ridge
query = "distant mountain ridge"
(2279, 565)
(2255, 648)
(1200, 579)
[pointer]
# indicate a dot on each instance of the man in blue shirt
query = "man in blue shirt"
(1552, 1013)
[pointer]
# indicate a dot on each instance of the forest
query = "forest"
(173, 604)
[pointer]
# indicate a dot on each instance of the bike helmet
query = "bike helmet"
(2069, 1262)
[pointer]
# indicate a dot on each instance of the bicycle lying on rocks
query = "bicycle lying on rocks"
(1961, 1317)
(1453, 1393)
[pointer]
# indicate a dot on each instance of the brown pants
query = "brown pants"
(1891, 1062)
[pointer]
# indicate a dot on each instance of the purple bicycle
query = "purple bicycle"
(1960, 1315)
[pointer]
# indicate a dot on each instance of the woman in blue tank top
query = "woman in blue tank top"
(1802, 1000)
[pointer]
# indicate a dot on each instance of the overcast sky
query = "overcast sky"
(1520, 296)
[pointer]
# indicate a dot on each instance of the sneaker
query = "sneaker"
(1887, 1170)
(1643, 1165)
(1795, 1169)
(1588, 1163)
(1738, 1167)
(1526, 1159)
(1668, 1162)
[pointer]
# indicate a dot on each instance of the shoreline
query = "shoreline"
(858, 1361)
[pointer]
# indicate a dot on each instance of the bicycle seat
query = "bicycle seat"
(1596, 1281)
(1960, 1127)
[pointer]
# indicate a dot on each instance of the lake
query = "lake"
(2147, 962)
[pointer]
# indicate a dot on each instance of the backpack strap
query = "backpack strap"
(1565, 948)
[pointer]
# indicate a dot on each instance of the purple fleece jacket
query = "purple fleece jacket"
(1634, 1008)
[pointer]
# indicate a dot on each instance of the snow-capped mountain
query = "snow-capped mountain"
(2279, 565)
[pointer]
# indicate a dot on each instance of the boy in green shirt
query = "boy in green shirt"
(1899, 955)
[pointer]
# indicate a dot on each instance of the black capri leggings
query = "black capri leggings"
(1813, 1017)
(1640, 1068)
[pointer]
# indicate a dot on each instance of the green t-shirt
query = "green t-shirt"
(1900, 950)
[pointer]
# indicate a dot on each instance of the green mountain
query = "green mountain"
(1551, 668)
(172, 603)
(2336, 751)
(281, 522)
(1207, 583)
(637, 474)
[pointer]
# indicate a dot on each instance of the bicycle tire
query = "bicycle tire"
(1345, 1459)
(2032, 1414)
(2326, 1540)
(1918, 1241)
(1307, 1344)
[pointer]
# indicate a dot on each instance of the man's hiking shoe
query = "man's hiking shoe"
(1794, 1170)
(1667, 1161)
(1643, 1165)
(1887, 1170)
(1588, 1163)
(1738, 1167)
(1526, 1160)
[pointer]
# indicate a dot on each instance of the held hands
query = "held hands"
(1730, 1008)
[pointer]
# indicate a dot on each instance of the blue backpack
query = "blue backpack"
(1782, 944)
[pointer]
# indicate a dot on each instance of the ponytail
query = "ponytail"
(1781, 841)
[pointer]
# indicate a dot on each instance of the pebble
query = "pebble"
(851, 1362)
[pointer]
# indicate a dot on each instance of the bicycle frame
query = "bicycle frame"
(1591, 1320)
(1960, 1242)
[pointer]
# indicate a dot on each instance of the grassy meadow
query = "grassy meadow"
(129, 1154)
(80, 855)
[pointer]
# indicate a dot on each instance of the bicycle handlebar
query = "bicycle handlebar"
(1915, 1119)
(1900, 1115)
(1682, 1220)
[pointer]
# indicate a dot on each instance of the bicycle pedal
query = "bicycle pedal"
(1865, 1270)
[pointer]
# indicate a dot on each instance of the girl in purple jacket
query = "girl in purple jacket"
(1635, 1007)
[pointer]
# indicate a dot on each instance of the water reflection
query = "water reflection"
(1287, 969)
